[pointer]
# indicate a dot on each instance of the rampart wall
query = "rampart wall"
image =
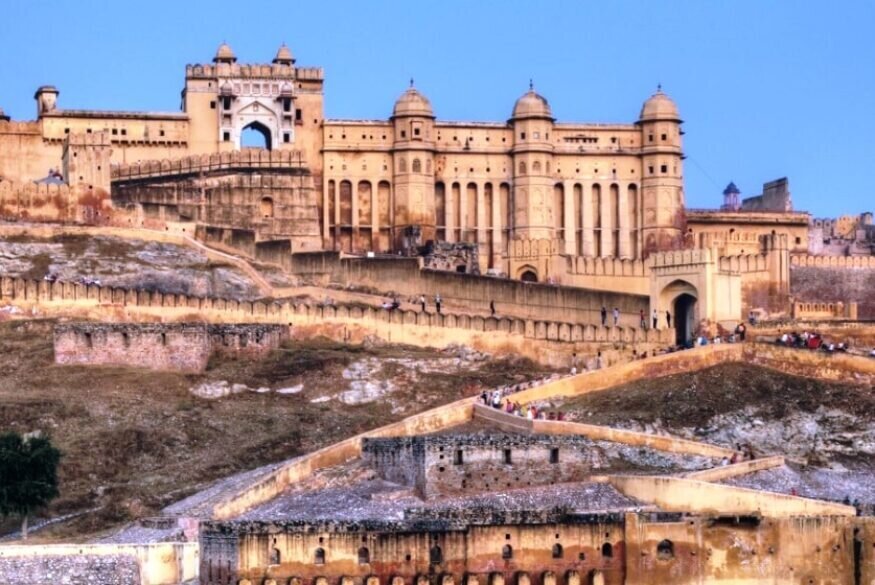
(405, 276)
(822, 279)
(52, 203)
(110, 564)
(184, 347)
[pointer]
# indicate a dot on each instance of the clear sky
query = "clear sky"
(766, 88)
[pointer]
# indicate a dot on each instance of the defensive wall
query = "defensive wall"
(860, 335)
(53, 202)
(823, 279)
(407, 277)
(556, 548)
(168, 563)
(246, 159)
(544, 341)
(805, 311)
(184, 347)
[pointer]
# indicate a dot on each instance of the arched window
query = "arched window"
(275, 556)
(402, 165)
(665, 550)
(435, 555)
(557, 551)
(266, 207)
(607, 550)
(319, 556)
(417, 165)
(522, 168)
(364, 556)
(536, 167)
(507, 552)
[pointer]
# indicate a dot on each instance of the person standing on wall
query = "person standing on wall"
(437, 302)
(422, 302)
(643, 319)
(492, 308)
(604, 316)
(668, 319)
(655, 319)
(616, 316)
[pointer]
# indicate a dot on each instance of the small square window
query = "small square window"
(663, 168)
(664, 137)
(66, 130)
(226, 136)
(416, 131)
(115, 131)
(404, 134)
(554, 455)
(650, 138)
(213, 105)
(507, 456)
(798, 240)
(287, 137)
(161, 133)
(650, 170)
(299, 115)
(522, 135)
(124, 132)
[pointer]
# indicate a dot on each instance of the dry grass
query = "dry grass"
(136, 440)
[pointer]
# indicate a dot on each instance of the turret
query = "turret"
(731, 200)
(532, 122)
(662, 182)
(414, 146)
(46, 99)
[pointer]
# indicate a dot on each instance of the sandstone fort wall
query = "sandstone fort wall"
(825, 279)
(184, 347)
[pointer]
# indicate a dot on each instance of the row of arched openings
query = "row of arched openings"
(664, 550)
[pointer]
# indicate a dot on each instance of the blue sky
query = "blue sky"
(767, 89)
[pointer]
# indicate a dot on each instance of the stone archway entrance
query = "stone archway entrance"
(529, 276)
(256, 135)
(684, 318)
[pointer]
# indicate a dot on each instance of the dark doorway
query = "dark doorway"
(529, 276)
(256, 135)
(684, 318)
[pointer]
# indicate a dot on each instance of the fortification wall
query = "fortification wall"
(42, 202)
(24, 156)
(112, 564)
(184, 347)
(824, 311)
(248, 158)
(826, 278)
(404, 276)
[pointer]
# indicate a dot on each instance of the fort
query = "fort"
(567, 243)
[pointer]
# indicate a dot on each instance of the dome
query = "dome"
(659, 107)
(731, 189)
(286, 89)
(224, 54)
(412, 103)
(227, 88)
(283, 56)
(532, 105)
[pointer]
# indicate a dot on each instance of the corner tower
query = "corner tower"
(662, 182)
(413, 164)
(532, 122)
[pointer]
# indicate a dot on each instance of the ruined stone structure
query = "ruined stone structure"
(182, 347)
(847, 235)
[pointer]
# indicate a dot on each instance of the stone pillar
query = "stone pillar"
(326, 220)
(570, 225)
(375, 216)
(481, 213)
(607, 229)
(497, 239)
(450, 206)
(354, 204)
(463, 209)
(587, 235)
(623, 207)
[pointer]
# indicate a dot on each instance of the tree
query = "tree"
(28, 475)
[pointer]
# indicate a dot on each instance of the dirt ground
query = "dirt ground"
(136, 440)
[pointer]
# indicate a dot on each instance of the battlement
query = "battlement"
(683, 257)
(585, 265)
(11, 127)
(253, 71)
(250, 158)
(824, 311)
(833, 261)
(184, 347)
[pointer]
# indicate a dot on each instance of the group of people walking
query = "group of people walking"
(642, 316)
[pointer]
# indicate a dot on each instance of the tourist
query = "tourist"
(655, 319)
(604, 316)
(616, 316)
(492, 308)
(872, 353)
(573, 363)
(668, 319)
(724, 462)
(741, 330)
(496, 399)
(437, 303)
(599, 361)
(643, 319)
(422, 302)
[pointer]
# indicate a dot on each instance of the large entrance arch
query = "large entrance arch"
(256, 135)
(684, 318)
(680, 299)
